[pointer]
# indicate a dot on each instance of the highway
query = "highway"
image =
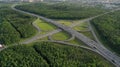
(91, 43)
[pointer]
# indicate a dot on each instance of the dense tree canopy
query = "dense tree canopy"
(8, 34)
(50, 55)
(108, 27)
(61, 10)
(21, 56)
(14, 25)
(66, 56)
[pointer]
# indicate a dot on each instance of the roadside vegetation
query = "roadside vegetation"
(65, 22)
(45, 54)
(61, 36)
(88, 34)
(83, 28)
(44, 26)
(60, 56)
(14, 25)
(62, 10)
(108, 28)
(76, 42)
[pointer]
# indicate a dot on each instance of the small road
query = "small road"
(38, 29)
(38, 36)
(93, 33)
(91, 43)
(74, 45)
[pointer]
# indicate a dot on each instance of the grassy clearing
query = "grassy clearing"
(76, 42)
(65, 22)
(45, 38)
(88, 34)
(78, 28)
(44, 26)
(82, 27)
(61, 36)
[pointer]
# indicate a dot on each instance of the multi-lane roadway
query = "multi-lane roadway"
(95, 46)
(103, 51)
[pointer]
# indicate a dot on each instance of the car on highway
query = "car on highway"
(1, 46)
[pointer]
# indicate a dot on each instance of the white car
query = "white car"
(1, 46)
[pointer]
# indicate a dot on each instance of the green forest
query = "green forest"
(14, 25)
(45, 54)
(108, 27)
(62, 10)
(21, 56)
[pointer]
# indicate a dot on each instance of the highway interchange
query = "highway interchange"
(95, 46)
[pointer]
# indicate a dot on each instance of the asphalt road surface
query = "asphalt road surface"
(91, 43)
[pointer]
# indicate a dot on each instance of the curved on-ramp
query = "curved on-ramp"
(91, 43)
